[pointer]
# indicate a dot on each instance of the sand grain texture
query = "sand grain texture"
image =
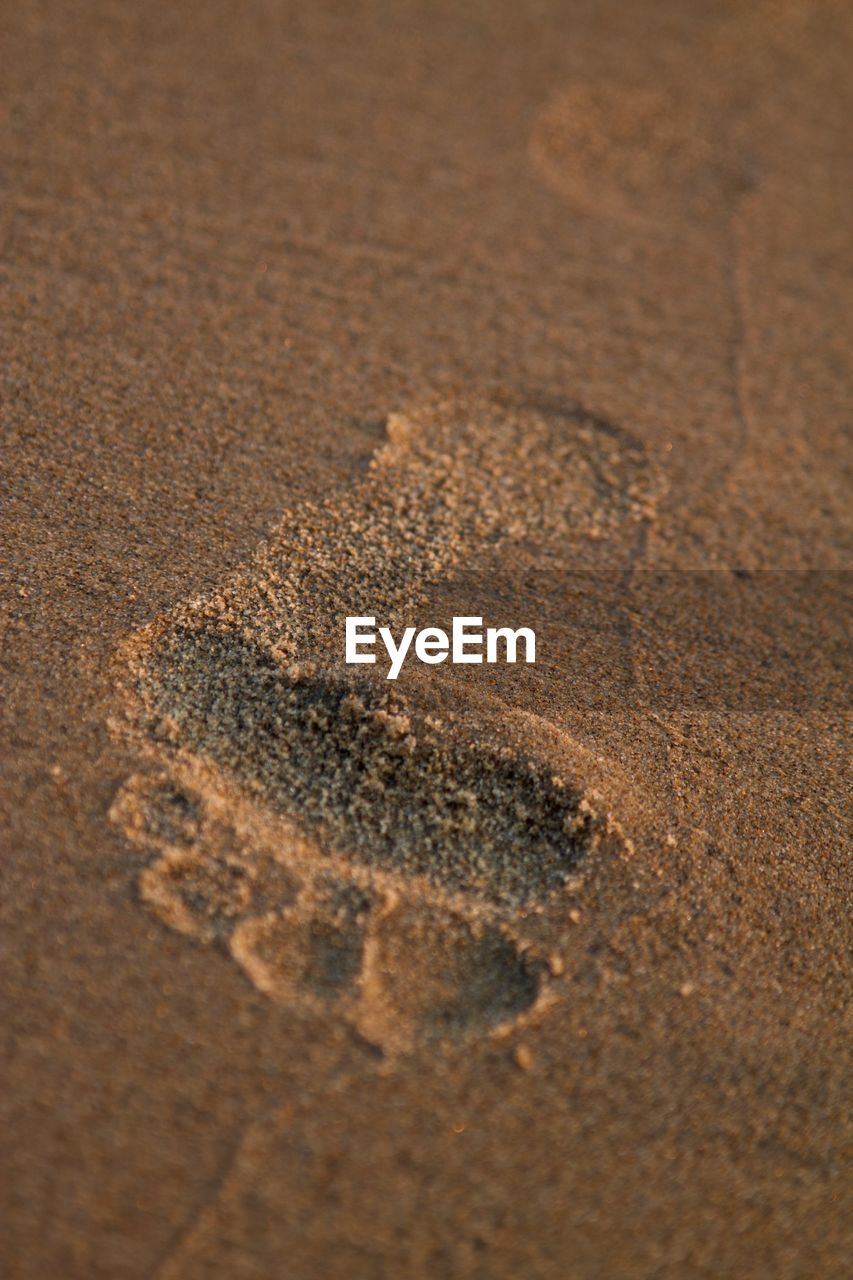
(315, 308)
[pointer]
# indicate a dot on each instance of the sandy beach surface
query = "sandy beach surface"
(536, 311)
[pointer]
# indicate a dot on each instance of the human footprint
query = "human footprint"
(403, 835)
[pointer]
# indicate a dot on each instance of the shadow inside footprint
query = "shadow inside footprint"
(159, 812)
(313, 950)
(196, 894)
(365, 775)
(435, 976)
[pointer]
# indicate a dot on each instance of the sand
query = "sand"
(538, 312)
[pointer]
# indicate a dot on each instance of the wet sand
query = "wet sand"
(538, 312)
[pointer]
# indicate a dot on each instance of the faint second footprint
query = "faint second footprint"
(638, 155)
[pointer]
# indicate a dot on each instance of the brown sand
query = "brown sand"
(532, 972)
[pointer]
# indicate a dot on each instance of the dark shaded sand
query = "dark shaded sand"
(539, 312)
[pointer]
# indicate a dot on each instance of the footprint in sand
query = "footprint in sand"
(639, 155)
(675, 164)
(361, 850)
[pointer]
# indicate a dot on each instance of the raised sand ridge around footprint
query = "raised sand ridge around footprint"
(432, 828)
